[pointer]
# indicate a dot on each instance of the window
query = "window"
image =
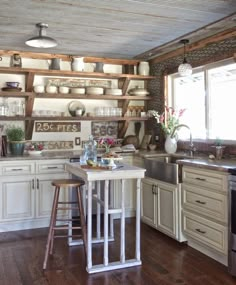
(209, 96)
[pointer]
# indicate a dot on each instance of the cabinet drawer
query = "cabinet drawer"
(206, 178)
(50, 167)
(202, 201)
(205, 231)
(17, 168)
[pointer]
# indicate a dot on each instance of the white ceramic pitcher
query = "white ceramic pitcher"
(77, 64)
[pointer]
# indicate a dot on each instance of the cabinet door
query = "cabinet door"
(166, 208)
(17, 197)
(45, 193)
(148, 202)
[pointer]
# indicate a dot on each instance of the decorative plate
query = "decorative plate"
(74, 106)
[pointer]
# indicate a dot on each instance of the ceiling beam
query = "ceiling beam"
(34, 55)
(197, 45)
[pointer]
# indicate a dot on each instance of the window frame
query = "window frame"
(205, 69)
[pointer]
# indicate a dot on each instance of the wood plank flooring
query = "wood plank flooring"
(165, 261)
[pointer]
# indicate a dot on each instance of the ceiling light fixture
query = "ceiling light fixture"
(41, 41)
(185, 69)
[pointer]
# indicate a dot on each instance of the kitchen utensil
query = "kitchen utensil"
(74, 106)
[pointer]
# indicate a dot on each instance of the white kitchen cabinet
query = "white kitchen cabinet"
(149, 202)
(205, 211)
(161, 207)
(17, 198)
(26, 193)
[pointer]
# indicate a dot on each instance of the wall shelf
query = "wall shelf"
(30, 96)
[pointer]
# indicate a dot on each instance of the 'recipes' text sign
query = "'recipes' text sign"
(58, 127)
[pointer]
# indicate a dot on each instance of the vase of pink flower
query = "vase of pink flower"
(170, 124)
(106, 143)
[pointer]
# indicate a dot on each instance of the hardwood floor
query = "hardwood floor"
(165, 262)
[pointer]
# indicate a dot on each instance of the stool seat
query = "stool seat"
(65, 184)
(68, 183)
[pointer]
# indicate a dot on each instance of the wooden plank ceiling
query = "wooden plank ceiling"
(117, 29)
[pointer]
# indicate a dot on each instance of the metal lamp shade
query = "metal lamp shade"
(41, 41)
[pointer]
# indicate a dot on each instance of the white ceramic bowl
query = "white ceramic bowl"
(94, 90)
(34, 152)
(78, 90)
(51, 89)
(113, 91)
(64, 89)
(39, 89)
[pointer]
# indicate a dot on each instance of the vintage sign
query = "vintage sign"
(102, 129)
(67, 127)
(60, 145)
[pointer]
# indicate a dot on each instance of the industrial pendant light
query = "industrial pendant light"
(41, 41)
(185, 69)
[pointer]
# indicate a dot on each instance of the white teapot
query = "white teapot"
(77, 64)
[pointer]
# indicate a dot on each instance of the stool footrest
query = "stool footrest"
(68, 236)
(68, 208)
(67, 202)
(66, 228)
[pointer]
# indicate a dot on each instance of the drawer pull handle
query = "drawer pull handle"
(201, 179)
(200, 202)
(17, 169)
(52, 167)
(32, 183)
(200, 231)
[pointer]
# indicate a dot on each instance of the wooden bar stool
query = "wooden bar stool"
(66, 183)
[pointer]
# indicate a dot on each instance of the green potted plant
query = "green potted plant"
(16, 139)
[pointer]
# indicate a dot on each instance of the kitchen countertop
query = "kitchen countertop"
(201, 161)
(220, 165)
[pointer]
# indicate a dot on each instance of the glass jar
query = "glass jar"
(90, 150)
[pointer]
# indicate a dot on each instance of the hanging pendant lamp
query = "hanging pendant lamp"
(185, 69)
(41, 41)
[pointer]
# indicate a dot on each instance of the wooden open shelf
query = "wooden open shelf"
(30, 96)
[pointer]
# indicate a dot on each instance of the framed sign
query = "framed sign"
(65, 127)
(103, 129)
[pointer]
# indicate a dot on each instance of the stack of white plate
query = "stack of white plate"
(94, 90)
(78, 90)
(113, 91)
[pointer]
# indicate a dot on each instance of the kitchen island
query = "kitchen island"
(91, 176)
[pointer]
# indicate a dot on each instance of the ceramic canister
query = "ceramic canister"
(143, 68)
